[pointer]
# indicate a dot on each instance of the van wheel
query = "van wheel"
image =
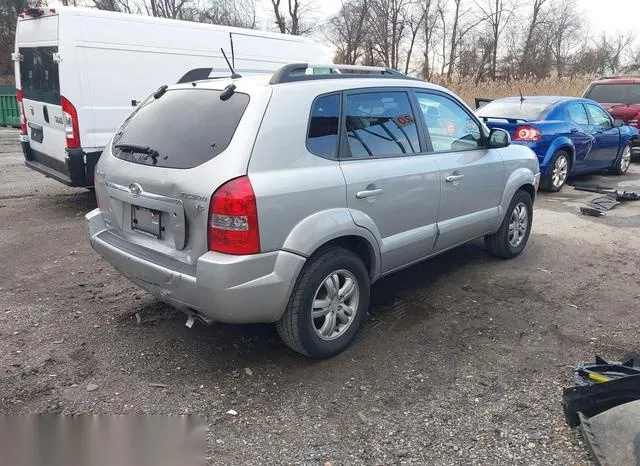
(557, 173)
(328, 304)
(623, 162)
(512, 237)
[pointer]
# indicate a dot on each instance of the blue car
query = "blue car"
(570, 136)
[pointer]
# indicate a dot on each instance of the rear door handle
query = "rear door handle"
(453, 178)
(368, 193)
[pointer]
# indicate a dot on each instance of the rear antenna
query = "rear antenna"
(521, 97)
(234, 75)
(233, 53)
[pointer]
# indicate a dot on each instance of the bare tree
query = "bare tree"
(528, 57)
(348, 32)
(497, 14)
(237, 13)
(166, 8)
(294, 21)
(429, 36)
(388, 28)
(414, 22)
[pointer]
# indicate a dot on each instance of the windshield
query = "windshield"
(514, 109)
(614, 93)
(183, 128)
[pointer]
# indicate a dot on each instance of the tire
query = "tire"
(315, 337)
(503, 243)
(557, 172)
(623, 162)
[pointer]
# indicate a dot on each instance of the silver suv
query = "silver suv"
(283, 198)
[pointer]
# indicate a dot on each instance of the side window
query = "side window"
(381, 124)
(578, 114)
(322, 138)
(598, 116)
(450, 127)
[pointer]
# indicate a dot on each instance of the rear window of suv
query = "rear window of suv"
(183, 128)
(613, 93)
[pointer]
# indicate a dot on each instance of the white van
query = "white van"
(80, 72)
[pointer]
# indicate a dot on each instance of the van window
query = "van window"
(39, 78)
(184, 127)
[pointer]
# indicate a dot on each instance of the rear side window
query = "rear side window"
(322, 138)
(39, 78)
(578, 114)
(381, 124)
(183, 128)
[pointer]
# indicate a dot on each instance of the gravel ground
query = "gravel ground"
(463, 359)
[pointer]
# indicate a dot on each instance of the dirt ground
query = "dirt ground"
(463, 359)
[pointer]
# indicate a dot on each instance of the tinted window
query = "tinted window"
(39, 74)
(450, 126)
(381, 123)
(598, 116)
(578, 114)
(323, 128)
(514, 109)
(614, 93)
(187, 127)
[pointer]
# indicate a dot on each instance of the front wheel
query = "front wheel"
(328, 304)
(623, 162)
(511, 239)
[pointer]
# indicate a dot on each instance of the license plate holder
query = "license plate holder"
(37, 133)
(146, 221)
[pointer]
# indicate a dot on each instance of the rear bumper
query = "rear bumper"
(223, 288)
(76, 170)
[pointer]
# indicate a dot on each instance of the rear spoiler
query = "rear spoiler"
(197, 74)
(481, 102)
(508, 120)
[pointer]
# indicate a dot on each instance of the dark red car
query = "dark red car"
(620, 96)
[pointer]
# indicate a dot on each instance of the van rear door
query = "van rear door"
(39, 83)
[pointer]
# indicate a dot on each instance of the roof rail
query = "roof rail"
(305, 72)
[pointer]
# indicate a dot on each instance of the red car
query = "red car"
(620, 96)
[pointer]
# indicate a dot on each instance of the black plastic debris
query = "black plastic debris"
(598, 206)
(600, 386)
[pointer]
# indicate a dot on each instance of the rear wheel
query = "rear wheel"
(328, 304)
(623, 162)
(510, 240)
(557, 173)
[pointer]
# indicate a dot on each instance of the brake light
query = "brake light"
(70, 124)
(527, 133)
(233, 219)
(23, 116)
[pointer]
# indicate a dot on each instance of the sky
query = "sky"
(603, 15)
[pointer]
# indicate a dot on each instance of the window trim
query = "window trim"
(344, 152)
(591, 122)
(568, 113)
(336, 155)
(484, 137)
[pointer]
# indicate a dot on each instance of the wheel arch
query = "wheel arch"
(561, 143)
(524, 179)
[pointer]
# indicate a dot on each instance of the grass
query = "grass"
(468, 91)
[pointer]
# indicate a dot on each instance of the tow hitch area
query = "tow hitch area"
(606, 404)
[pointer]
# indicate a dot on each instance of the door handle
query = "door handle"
(453, 178)
(368, 193)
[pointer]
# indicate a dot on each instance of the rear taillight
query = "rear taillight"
(233, 219)
(527, 133)
(23, 116)
(70, 124)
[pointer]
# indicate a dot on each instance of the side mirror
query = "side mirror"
(617, 123)
(499, 138)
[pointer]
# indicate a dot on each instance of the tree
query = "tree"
(348, 31)
(295, 23)
(497, 13)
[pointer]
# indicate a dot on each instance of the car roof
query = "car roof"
(543, 99)
(618, 80)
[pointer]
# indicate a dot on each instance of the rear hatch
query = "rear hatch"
(620, 98)
(155, 180)
(39, 88)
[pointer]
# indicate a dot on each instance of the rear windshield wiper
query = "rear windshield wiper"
(138, 149)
